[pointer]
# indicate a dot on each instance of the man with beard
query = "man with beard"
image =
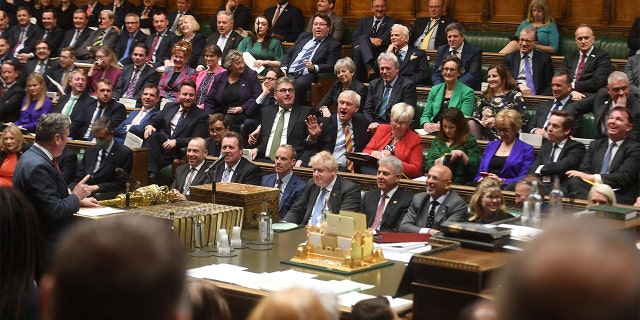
(92, 110)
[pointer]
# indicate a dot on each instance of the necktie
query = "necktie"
(75, 38)
(132, 85)
(385, 101)
(401, 55)
(379, 212)
(187, 183)
(226, 177)
(432, 214)
(279, 186)
(348, 144)
(317, 208)
(46, 33)
(174, 27)
(528, 75)
(454, 53)
(99, 114)
(3, 91)
(88, 9)
(153, 48)
(298, 66)
(98, 41)
(41, 67)
(145, 12)
(65, 80)
(428, 34)
(583, 60)
(276, 16)
(102, 154)
(374, 29)
(55, 164)
(607, 159)
(556, 106)
(127, 49)
(221, 42)
(19, 45)
(277, 136)
(69, 106)
(552, 157)
(182, 115)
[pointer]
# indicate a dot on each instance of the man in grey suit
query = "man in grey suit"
(225, 37)
(325, 192)
(430, 209)
(632, 69)
(386, 206)
(105, 35)
(192, 173)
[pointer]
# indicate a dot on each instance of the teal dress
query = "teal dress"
(547, 34)
(462, 173)
(273, 52)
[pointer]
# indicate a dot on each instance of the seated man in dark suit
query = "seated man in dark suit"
(312, 53)
(386, 206)
(79, 34)
(438, 204)
(193, 172)
(50, 32)
(531, 68)
(71, 104)
(159, 43)
(218, 127)
(377, 108)
(286, 19)
(413, 61)
(128, 38)
(235, 168)
(137, 120)
(63, 73)
(272, 134)
(225, 37)
(22, 36)
(183, 7)
(615, 94)
(613, 160)
(92, 110)
(289, 184)
(371, 37)
(560, 89)
(241, 15)
(559, 153)
(134, 77)
(589, 66)
(12, 92)
(327, 191)
(470, 55)
(346, 131)
(5, 50)
(146, 10)
(101, 161)
(429, 33)
(42, 64)
(172, 128)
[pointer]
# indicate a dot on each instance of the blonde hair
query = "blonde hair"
(325, 158)
(17, 134)
(487, 185)
(540, 5)
(194, 23)
(509, 117)
(296, 304)
(28, 98)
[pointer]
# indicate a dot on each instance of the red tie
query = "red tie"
(581, 66)
(153, 47)
(55, 163)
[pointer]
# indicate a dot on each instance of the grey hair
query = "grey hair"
(392, 161)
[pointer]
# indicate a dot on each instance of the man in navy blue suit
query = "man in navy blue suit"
(470, 55)
(159, 43)
(136, 76)
(372, 36)
(413, 61)
(539, 64)
(137, 120)
(290, 185)
(128, 38)
(92, 110)
(312, 53)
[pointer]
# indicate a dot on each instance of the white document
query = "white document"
(96, 212)
(532, 139)
(249, 60)
(58, 86)
(133, 141)
(128, 103)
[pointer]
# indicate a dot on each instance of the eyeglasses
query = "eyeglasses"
(315, 24)
(526, 40)
(400, 123)
(449, 70)
(492, 197)
(270, 79)
(283, 90)
(218, 130)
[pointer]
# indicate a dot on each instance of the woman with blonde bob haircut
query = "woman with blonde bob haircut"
(296, 304)
(188, 31)
(487, 203)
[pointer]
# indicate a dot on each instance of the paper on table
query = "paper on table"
(95, 212)
(283, 226)
(249, 60)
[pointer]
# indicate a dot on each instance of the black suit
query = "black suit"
(471, 61)
(241, 17)
(68, 36)
(163, 48)
(420, 27)
(13, 36)
(171, 16)
(182, 171)
(53, 38)
(600, 104)
(568, 159)
(95, 13)
(57, 75)
(325, 57)
(296, 130)
(595, 72)
(233, 40)
(212, 147)
(246, 172)
(345, 195)
(193, 125)
(68, 163)
(80, 124)
(33, 65)
(290, 22)
(120, 12)
(541, 67)
(147, 22)
(364, 52)
(622, 173)
(121, 45)
(327, 139)
(77, 108)
(11, 103)
(453, 208)
(148, 75)
(394, 211)
(415, 66)
(633, 41)
(331, 98)
(543, 112)
(120, 156)
(403, 91)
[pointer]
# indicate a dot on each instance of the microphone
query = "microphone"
(215, 163)
(123, 174)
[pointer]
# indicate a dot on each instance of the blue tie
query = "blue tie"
(298, 67)
(126, 51)
(318, 207)
(385, 101)
(607, 159)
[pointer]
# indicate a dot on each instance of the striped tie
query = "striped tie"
(385, 101)
(98, 41)
(348, 143)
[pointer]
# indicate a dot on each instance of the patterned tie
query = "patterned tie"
(145, 12)
(152, 50)
(428, 34)
(374, 29)
(528, 75)
(432, 214)
(127, 49)
(279, 186)
(182, 115)
(317, 208)
(385, 100)
(583, 60)
(41, 67)
(132, 85)
(226, 177)
(298, 66)
(556, 106)
(607, 159)
(20, 44)
(98, 41)
(348, 144)
(187, 183)
(277, 135)
(379, 212)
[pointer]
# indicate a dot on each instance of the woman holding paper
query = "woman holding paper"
(266, 50)
(233, 91)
